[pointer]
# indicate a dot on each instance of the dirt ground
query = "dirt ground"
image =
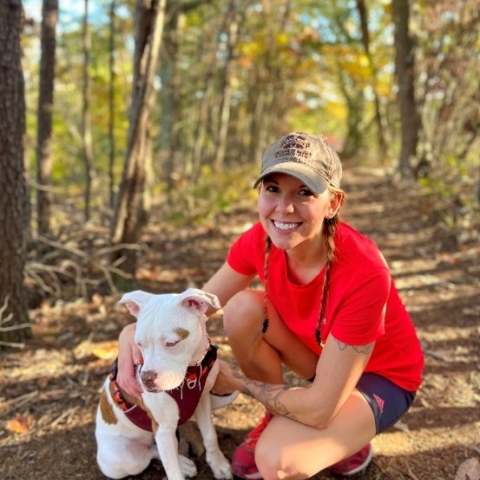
(50, 389)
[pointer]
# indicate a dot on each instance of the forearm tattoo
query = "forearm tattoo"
(364, 349)
(269, 394)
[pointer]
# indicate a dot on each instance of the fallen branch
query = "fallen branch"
(81, 261)
(10, 406)
(4, 321)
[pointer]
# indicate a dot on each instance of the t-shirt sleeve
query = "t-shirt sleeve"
(247, 252)
(361, 316)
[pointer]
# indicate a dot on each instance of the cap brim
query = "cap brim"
(303, 172)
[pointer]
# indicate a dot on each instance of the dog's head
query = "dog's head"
(170, 333)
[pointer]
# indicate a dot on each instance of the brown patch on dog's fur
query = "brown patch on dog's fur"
(108, 413)
(106, 409)
(182, 333)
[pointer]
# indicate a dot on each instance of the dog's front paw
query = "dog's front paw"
(187, 467)
(220, 466)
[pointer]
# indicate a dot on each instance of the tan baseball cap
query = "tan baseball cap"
(310, 158)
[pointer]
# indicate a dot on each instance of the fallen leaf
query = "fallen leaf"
(107, 351)
(469, 470)
(20, 424)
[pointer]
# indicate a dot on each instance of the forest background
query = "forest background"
(123, 122)
(124, 104)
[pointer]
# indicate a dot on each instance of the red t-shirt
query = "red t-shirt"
(363, 304)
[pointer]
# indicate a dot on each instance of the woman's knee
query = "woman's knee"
(267, 461)
(243, 312)
(272, 466)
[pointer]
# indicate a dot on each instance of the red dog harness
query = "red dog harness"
(187, 395)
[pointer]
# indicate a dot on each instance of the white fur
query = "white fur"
(124, 449)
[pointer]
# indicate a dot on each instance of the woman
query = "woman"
(329, 311)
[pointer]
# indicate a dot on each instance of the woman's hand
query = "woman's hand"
(226, 381)
(129, 355)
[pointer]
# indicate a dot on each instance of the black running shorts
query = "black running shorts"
(388, 401)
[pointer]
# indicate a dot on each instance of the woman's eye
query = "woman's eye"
(306, 193)
(271, 188)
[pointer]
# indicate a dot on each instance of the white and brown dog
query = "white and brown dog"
(177, 373)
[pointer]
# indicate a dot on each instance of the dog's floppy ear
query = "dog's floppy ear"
(134, 301)
(199, 300)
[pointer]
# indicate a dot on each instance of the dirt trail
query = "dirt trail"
(49, 391)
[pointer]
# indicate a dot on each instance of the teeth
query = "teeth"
(285, 226)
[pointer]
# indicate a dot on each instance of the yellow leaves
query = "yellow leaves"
(262, 44)
(251, 50)
(283, 40)
(363, 60)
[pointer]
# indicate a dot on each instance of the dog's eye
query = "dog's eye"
(171, 344)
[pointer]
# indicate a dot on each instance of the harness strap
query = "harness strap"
(187, 395)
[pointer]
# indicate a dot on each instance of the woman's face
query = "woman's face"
(291, 213)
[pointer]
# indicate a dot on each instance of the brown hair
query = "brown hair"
(329, 230)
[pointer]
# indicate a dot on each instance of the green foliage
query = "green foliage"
(214, 193)
(452, 191)
(69, 71)
(296, 65)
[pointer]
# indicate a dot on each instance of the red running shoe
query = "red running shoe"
(355, 464)
(243, 462)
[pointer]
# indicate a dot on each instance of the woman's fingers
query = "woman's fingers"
(129, 355)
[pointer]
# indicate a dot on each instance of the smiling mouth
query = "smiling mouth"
(285, 226)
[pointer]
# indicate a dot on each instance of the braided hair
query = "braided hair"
(328, 234)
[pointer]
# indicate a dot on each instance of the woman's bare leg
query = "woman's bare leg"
(290, 450)
(260, 355)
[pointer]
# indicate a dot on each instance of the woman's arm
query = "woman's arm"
(338, 371)
(226, 282)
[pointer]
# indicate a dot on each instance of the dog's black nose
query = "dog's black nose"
(148, 379)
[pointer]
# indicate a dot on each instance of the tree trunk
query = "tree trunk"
(170, 98)
(233, 24)
(45, 111)
(129, 212)
(363, 14)
(14, 323)
(111, 106)
(355, 101)
(86, 126)
(201, 123)
(405, 73)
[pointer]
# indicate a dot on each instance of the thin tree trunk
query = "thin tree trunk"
(129, 216)
(111, 106)
(363, 13)
(45, 111)
(14, 322)
(405, 73)
(86, 126)
(171, 88)
(233, 24)
(272, 80)
(201, 122)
